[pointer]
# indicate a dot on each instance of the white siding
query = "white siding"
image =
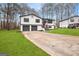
(64, 23)
(76, 20)
(39, 28)
(52, 27)
(32, 21)
(51, 24)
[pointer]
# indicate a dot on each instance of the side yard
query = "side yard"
(15, 44)
(74, 32)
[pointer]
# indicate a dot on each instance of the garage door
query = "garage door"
(34, 28)
(26, 28)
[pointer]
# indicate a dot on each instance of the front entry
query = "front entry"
(33, 28)
(26, 28)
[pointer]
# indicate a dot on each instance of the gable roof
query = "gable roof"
(30, 14)
(37, 16)
(69, 18)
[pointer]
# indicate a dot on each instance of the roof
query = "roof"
(37, 16)
(30, 14)
(69, 18)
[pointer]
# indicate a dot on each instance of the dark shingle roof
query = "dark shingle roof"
(30, 14)
(37, 16)
(69, 18)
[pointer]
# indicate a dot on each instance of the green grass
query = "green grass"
(74, 32)
(13, 43)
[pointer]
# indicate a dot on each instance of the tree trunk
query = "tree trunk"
(8, 12)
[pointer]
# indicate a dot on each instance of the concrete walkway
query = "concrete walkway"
(55, 44)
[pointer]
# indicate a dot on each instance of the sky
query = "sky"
(36, 6)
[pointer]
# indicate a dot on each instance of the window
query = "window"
(49, 21)
(26, 19)
(71, 20)
(37, 20)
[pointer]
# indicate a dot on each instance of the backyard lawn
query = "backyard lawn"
(13, 43)
(74, 32)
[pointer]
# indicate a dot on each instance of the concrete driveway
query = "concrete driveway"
(55, 44)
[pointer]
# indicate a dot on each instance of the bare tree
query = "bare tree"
(10, 11)
(58, 11)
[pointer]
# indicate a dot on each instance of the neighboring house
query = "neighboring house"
(49, 23)
(70, 21)
(32, 22)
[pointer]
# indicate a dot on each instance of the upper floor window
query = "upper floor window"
(49, 21)
(71, 20)
(37, 20)
(26, 19)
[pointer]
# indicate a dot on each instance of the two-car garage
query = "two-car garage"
(29, 27)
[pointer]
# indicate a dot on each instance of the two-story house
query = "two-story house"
(74, 20)
(32, 22)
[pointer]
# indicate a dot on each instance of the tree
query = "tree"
(10, 11)
(58, 11)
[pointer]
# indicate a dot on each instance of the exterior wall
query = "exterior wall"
(64, 24)
(52, 27)
(39, 28)
(51, 24)
(32, 20)
(76, 20)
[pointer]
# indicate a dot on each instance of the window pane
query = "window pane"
(38, 20)
(26, 19)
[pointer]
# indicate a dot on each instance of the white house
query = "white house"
(32, 22)
(50, 23)
(70, 21)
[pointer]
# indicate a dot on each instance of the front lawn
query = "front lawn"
(74, 32)
(13, 43)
